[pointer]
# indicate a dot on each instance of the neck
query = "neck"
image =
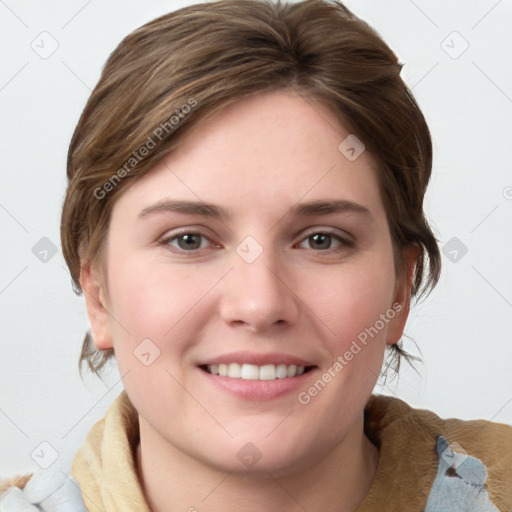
(172, 480)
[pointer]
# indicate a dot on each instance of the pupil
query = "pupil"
(190, 241)
(322, 237)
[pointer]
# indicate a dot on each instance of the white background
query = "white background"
(463, 329)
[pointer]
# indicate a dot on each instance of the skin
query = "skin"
(257, 158)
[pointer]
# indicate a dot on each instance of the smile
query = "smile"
(254, 372)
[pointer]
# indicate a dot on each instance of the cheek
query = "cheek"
(158, 302)
(149, 323)
(149, 299)
(350, 302)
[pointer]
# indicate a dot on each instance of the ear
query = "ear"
(96, 306)
(402, 299)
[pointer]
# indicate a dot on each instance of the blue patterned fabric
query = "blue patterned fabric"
(460, 482)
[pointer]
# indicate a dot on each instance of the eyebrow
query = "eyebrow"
(309, 209)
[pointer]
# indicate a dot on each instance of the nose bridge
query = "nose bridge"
(256, 294)
(257, 267)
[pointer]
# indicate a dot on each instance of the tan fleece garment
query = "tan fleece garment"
(105, 465)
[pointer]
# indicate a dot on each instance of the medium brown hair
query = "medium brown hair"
(173, 73)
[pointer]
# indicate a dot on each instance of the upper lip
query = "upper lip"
(257, 359)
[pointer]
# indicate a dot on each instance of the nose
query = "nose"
(259, 294)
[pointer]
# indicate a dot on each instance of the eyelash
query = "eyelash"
(344, 242)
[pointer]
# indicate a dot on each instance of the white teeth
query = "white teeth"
(254, 372)
(268, 372)
(223, 370)
(249, 372)
(234, 370)
(281, 371)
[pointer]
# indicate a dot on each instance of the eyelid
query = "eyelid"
(343, 237)
(172, 235)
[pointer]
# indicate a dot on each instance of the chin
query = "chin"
(259, 457)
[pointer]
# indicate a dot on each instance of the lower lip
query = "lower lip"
(258, 389)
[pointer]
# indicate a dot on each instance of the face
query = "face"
(250, 288)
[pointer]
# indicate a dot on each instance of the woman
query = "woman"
(245, 218)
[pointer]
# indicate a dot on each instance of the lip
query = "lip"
(260, 390)
(257, 359)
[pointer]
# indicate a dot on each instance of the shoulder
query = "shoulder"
(479, 453)
(386, 413)
(458, 457)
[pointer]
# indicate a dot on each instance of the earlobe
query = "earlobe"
(402, 300)
(96, 306)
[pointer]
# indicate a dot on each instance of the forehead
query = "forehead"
(268, 151)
